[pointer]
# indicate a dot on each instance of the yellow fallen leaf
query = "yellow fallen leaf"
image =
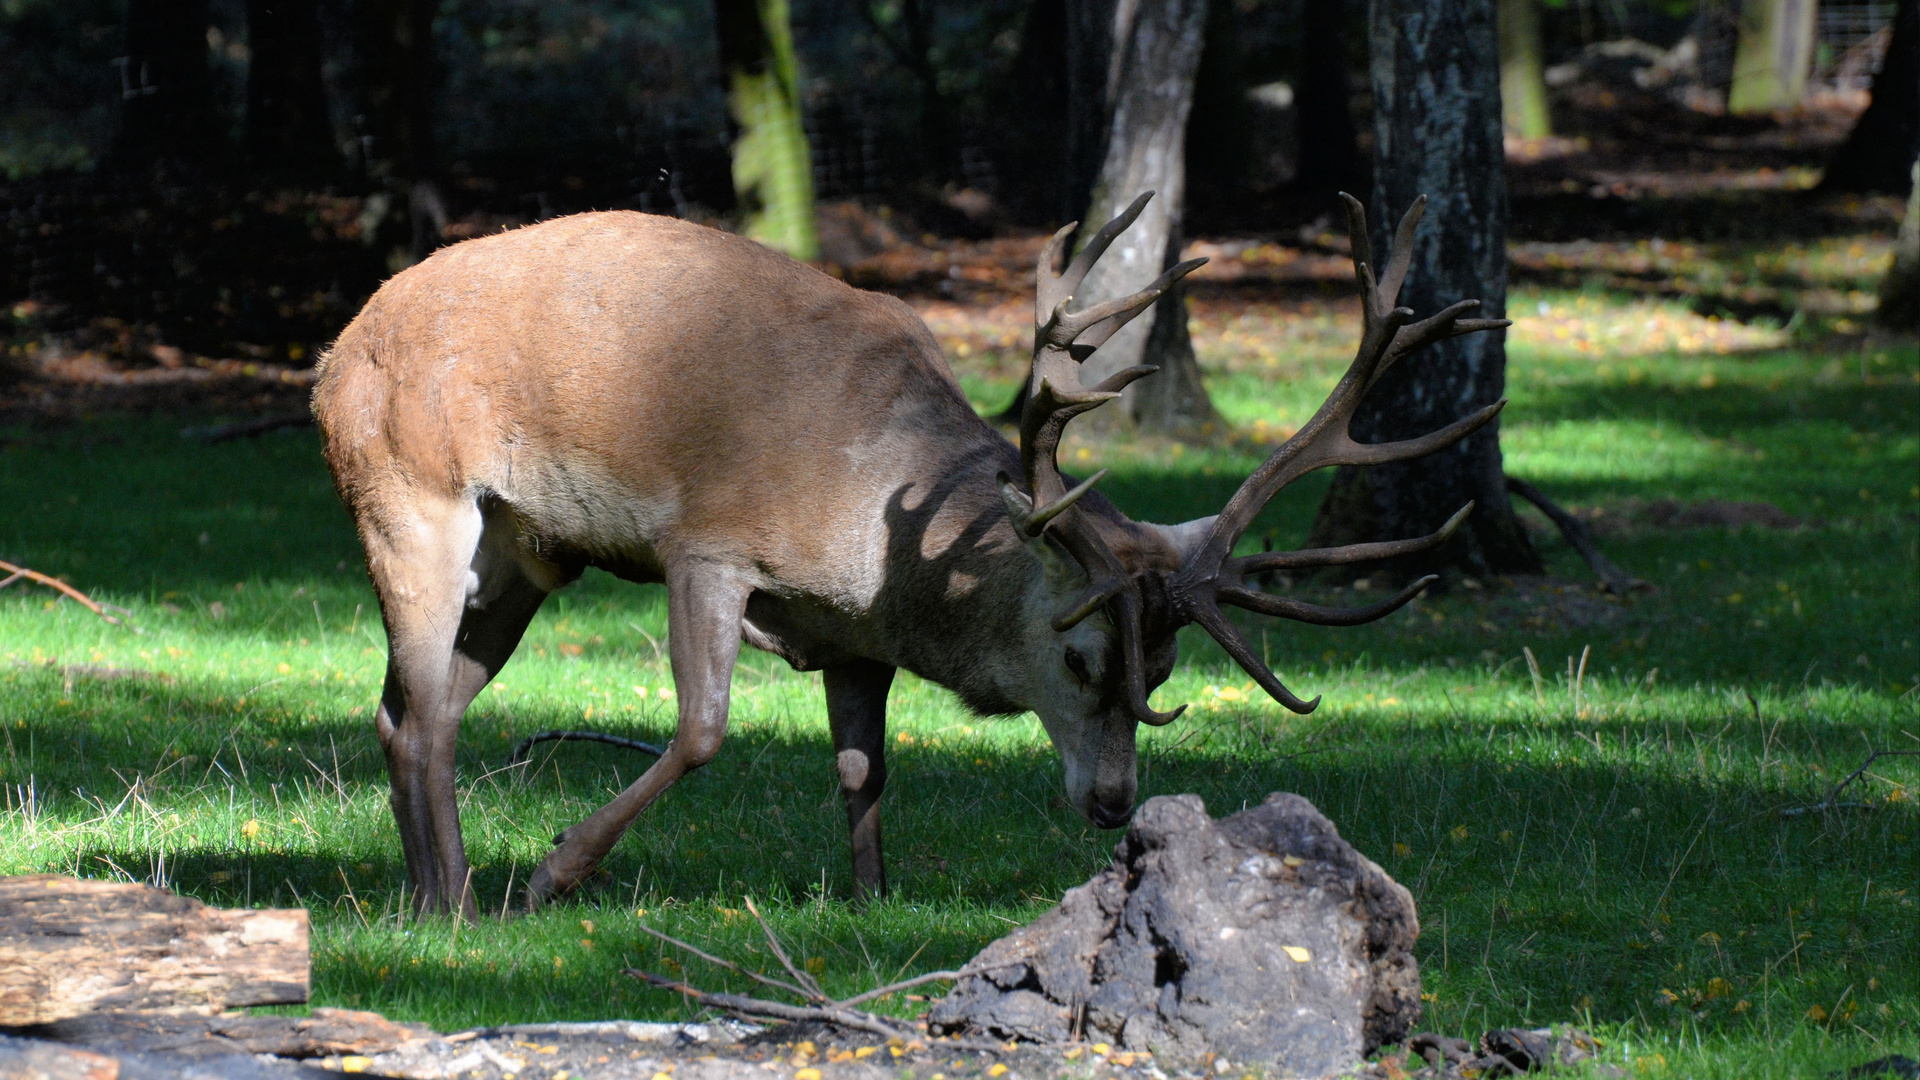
(1293, 860)
(355, 1063)
(1102, 1049)
(999, 1069)
(1298, 954)
(864, 1052)
(807, 1074)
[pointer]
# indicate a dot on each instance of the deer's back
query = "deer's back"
(627, 382)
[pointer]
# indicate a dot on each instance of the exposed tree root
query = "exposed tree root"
(1612, 578)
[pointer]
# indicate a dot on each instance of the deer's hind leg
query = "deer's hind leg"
(456, 602)
(705, 604)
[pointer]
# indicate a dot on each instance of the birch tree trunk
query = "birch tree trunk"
(1149, 83)
(772, 164)
(1770, 64)
(1436, 91)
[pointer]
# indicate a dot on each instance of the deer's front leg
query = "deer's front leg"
(705, 603)
(857, 712)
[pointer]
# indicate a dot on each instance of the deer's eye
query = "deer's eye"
(1078, 665)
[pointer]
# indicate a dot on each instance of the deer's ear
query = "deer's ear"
(1186, 537)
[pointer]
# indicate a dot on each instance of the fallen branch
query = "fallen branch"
(1612, 578)
(1831, 802)
(728, 964)
(742, 1005)
(15, 573)
(813, 990)
(526, 745)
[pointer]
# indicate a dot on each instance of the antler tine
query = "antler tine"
(1240, 567)
(1401, 257)
(1048, 293)
(1066, 283)
(1088, 330)
(1323, 616)
(1221, 630)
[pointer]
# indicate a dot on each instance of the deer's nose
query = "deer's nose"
(1105, 817)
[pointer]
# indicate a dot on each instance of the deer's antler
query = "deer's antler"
(1211, 576)
(1062, 341)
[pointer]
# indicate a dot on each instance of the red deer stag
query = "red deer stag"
(794, 460)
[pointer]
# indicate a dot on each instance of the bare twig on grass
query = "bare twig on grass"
(742, 1005)
(728, 964)
(15, 573)
(1831, 803)
(813, 990)
(1612, 578)
(820, 1007)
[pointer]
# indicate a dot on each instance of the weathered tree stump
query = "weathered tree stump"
(1262, 937)
(70, 947)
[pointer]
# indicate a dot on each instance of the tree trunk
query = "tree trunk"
(287, 122)
(1900, 292)
(1329, 152)
(1886, 138)
(772, 166)
(1150, 78)
(1523, 84)
(166, 92)
(1436, 92)
(1776, 50)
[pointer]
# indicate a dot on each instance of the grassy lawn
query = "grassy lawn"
(1605, 846)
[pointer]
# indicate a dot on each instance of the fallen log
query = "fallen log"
(69, 947)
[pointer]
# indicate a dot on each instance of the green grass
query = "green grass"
(1615, 857)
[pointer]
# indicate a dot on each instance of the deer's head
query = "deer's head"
(1117, 590)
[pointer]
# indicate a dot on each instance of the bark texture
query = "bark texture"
(69, 947)
(1775, 53)
(287, 123)
(1436, 91)
(1886, 139)
(1262, 937)
(1149, 81)
(166, 91)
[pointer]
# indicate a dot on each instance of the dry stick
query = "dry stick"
(1612, 578)
(746, 1006)
(813, 988)
(764, 980)
(1830, 804)
(908, 984)
(15, 573)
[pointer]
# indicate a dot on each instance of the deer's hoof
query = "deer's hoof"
(558, 875)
